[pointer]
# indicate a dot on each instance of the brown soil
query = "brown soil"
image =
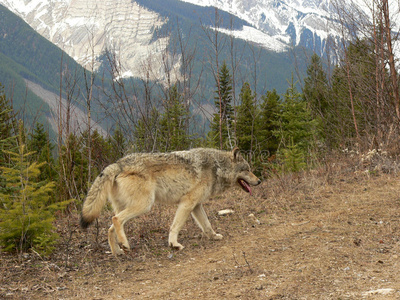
(317, 236)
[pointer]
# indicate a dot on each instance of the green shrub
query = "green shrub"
(26, 209)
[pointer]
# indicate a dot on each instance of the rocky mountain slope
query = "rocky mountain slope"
(279, 24)
(294, 22)
(85, 29)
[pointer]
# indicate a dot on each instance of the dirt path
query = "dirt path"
(337, 241)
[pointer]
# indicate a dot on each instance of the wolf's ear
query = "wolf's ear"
(235, 153)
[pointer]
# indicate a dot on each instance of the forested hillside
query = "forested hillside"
(25, 55)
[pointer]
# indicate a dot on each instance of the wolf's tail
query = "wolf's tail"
(98, 195)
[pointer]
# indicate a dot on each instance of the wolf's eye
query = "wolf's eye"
(244, 169)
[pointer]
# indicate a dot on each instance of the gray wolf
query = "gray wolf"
(186, 178)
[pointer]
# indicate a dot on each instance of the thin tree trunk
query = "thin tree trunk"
(392, 65)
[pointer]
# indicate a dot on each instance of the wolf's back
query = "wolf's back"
(98, 194)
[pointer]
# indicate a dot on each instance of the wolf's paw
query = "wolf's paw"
(176, 246)
(125, 247)
(125, 250)
(118, 251)
(217, 236)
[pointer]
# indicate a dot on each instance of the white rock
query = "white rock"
(225, 212)
(386, 291)
(254, 218)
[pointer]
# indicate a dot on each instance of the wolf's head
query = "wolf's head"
(243, 175)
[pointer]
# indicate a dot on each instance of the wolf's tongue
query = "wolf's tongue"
(246, 186)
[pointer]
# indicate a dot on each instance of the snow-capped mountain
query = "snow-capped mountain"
(86, 28)
(277, 24)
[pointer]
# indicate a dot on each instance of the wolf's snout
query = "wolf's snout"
(258, 182)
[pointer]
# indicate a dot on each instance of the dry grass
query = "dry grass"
(330, 233)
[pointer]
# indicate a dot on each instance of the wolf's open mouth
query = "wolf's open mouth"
(244, 185)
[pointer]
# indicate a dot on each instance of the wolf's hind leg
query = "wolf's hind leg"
(200, 216)
(112, 241)
(120, 233)
(122, 217)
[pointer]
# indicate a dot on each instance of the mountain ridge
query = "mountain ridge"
(279, 22)
(84, 29)
(26, 60)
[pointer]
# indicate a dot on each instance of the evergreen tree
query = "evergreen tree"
(269, 122)
(371, 109)
(340, 120)
(40, 143)
(221, 124)
(173, 131)
(26, 214)
(73, 170)
(118, 145)
(316, 88)
(147, 132)
(101, 153)
(316, 93)
(7, 128)
(246, 121)
(294, 159)
(298, 131)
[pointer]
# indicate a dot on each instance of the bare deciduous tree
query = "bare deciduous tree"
(217, 42)
(373, 82)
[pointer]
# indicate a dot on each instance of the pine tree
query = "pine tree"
(101, 153)
(246, 119)
(316, 88)
(40, 142)
(221, 133)
(26, 214)
(118, 145)
(294, 158)
(73, 169)
(316, 93)
(147, 132)
(269, 122)
(341, 119)
(296, 122)
(7, 128)
(173, 131)
(298, 131)
(370, 113)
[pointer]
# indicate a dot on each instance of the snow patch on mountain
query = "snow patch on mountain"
(260, 38)
(278, 22)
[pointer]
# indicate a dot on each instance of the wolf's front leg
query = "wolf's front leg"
(181, 215)
(202, 221)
